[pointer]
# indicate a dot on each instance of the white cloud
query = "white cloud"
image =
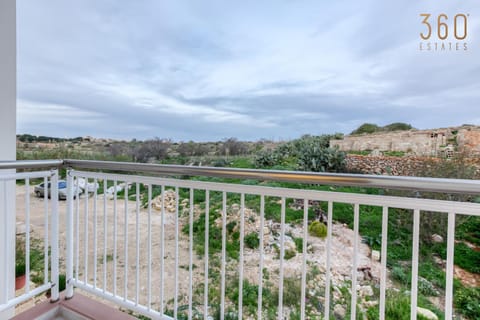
(249, 69)
(142, 97)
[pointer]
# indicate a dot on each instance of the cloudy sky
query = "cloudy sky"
(210, 69)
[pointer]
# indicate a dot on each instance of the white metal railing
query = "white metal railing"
(132, 268)
(142, 253)
(48, 215)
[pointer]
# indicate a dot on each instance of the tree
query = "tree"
(153, 149)
(372, 128)
(366, 128)
(117, 149)
(233, 147)
(189, 149)
(186, 149)
(397, 126)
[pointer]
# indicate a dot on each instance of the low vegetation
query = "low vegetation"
(308, 153)
(368, 128)
(36, 259)
(317, 229)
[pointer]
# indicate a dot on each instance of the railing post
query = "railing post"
(69, 235)
(415, 245)
(54, 241)
(449, 268)
(7, 245)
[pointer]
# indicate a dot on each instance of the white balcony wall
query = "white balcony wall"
(8, 97)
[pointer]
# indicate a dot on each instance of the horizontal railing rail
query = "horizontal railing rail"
(31, 164)
(454, 186)
(340, 179)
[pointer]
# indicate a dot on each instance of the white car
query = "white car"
(39, 190)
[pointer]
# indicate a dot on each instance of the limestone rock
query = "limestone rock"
(170, 202)
(366, 291)
(339, 311)
(289, 244)
(436, 238)
(439, 261)
(276, 228)
(370, 304)
(318, 247)
(375, 255)
(20, 228)
(427, 314)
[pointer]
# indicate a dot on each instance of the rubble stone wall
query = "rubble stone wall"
(393, 166)
(397, 166)
(469, 140)
(415, 142)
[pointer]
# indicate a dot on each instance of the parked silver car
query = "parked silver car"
(39, 190)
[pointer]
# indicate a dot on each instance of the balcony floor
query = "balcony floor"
(79, 307)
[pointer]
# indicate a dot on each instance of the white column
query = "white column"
(8, 104)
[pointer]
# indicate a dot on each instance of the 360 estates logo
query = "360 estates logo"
(444, 33)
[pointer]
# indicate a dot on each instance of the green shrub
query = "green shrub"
(242, 162)
(252, 241)
(399, 274)
(292, 290)
(36, 259)
(20, 264)
(20, 268)
(62, 282)
(397, 126)
(467, 301)
(299, 244)
(267, 159)
(373, 313)
(397, 306)
(231, 226)
(366, 128)
(433, 273)
(308, 153)
(467, 258)
(317, 229)
(289, 254)
(372, 128)
(313, 157)
(394, 153)
(249, 293)
(250, 296)
(469, 229)
(426, 287)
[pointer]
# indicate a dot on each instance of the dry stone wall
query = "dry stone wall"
(393, 166)
(398, 166)
(469, 140)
